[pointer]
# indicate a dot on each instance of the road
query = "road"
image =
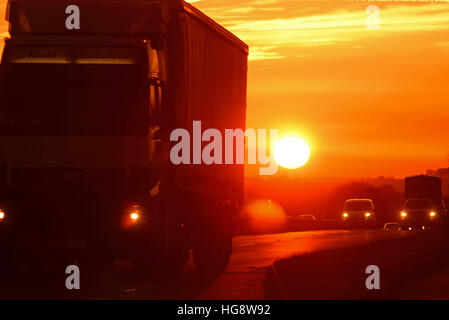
(262, 250)
(245, 275)
(244, 278)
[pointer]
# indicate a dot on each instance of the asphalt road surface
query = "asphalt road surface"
(245, 277)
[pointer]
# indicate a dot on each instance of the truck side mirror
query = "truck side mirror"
(155, 88)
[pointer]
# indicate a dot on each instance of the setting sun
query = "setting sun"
(291, 152)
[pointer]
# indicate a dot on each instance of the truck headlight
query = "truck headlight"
(134, 213)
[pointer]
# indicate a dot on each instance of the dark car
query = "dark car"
(305, 217)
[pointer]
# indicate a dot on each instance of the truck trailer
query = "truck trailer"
(90, 92)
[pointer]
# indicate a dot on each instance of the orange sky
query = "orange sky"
(369, 102)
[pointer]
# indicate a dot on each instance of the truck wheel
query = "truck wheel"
(212, 257)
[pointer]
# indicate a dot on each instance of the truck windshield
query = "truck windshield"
(358, 206)
(68, 99)
(418, 204)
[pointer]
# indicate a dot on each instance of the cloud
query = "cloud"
(263, 2)
(242, 10)
(263, 53)
(283, 24)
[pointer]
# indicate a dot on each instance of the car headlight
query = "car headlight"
(368, 214)
(2, 214)
(403, 214)
(432, 214)
(345, 215)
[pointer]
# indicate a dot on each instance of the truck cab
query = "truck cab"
(419, 213)
(359, 211)
(79, 114)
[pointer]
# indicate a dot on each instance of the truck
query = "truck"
(424, 205)
(90, 92)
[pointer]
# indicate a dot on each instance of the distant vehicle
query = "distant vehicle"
(303, 222)
(424, 205)
(305, 217)
(360, 211)
(391, 226)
